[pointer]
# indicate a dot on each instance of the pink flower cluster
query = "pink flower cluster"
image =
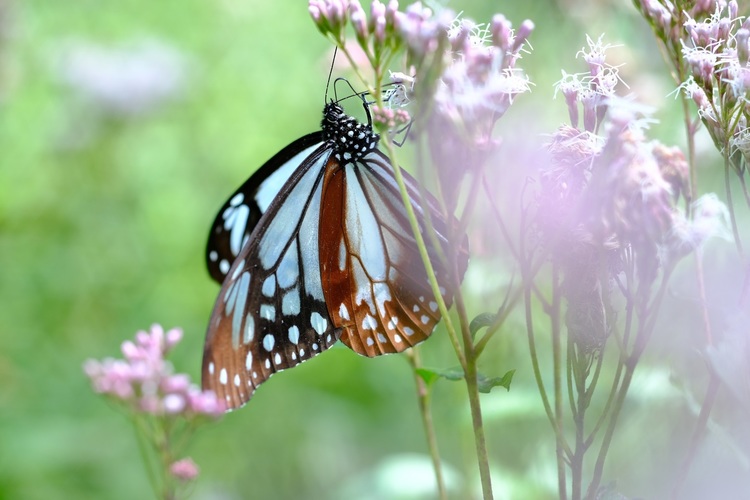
(332, 16)
(479, 83)
(145, 380)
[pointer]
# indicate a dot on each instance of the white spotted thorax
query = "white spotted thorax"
(350, 140)
(316, 248)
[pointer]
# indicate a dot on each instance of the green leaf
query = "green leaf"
(482, 321)
(486, 384)
(429, 376)
(452, 373)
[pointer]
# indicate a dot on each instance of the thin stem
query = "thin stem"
(646, 322)
(141, 433)
(423, 398)
(470, 369)
(538, 372)
(417, 233)
(554, 317)
(713, 383)
(700, 429)
(730, 206)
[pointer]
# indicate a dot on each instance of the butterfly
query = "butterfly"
(315, 247)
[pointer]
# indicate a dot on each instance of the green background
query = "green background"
(103, 222)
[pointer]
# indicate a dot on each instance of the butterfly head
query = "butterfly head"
(349, 139)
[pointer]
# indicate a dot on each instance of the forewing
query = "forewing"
(271, 313)
(376, 286)
(239, 215)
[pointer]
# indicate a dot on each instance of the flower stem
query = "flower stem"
(423, 398)
(140, 433)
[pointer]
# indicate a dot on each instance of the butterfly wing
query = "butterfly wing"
(376, 286)
(271, 312)
(240, 214)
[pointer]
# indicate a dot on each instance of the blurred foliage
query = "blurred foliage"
(103, 220)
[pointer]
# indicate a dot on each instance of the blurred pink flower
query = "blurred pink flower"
(145, 379)
(184, 469)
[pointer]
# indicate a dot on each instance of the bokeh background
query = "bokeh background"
(125, 124)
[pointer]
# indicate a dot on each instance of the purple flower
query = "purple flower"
(124, 80)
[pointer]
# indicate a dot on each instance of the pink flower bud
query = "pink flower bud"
(173, 336)
(184, 469)
(174, 403)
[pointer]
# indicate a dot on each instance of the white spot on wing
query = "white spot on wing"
(268, 312)
(381, 338)
(369, 323)
(408, 331)
(290, 305)
(268, 342)
(343, 312)
(238, 225)
(236, 379)
(269, 286)
(433, 306)
(424, 319)
(249, 329)
(277, 359)
(213, 256)
(224, 266)
(382, 295)
(223, 376)
(318, 322)
(370, 341)
(211, 368)
(249, 360)
(237, 199)
(288, 270)
(397, 338)
(293, 334)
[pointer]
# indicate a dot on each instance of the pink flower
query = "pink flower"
(184, 469)
(145, 381)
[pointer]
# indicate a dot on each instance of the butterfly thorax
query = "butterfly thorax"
(349, 139)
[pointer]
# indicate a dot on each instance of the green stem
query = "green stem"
(470, 369)
(713, 383)
(700, 429)
(479, 438)
(554, 316)
(423, 398)
(538, 373)
(141, 433)
(647, 322)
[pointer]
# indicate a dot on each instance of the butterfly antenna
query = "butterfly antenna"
(330, 75)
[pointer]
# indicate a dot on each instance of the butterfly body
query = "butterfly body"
(314, 248)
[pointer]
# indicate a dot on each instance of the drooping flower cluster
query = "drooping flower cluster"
(146, 382)
(608, 188)
(716, 53)
(475, 88)
(667, 17)
(479, 84)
